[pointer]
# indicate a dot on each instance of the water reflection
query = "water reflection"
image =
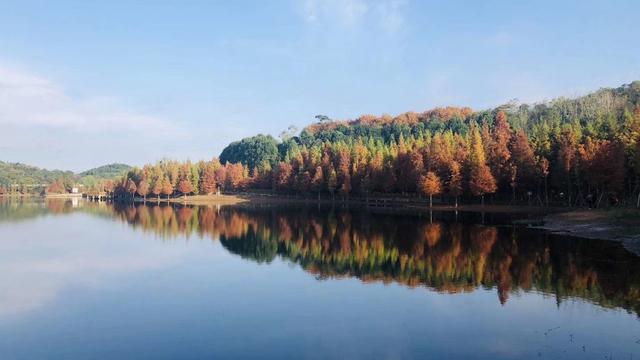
(40, 259)
(438, 253)
(445, 256)
(72, 271)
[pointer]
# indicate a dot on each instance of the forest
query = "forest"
(582, 151)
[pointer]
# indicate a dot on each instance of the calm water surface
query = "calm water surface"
(87, 280)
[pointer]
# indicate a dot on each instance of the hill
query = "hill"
(106, 171)
(17, 173)
(598, 115)
(583, 150)
(29, 178)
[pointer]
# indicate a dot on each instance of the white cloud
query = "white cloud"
(29, 100)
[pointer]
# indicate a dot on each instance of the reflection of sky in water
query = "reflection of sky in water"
(40, 258)
(79, 286)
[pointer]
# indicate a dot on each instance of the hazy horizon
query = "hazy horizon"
(84, 84)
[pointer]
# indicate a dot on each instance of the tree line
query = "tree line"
(573, 152)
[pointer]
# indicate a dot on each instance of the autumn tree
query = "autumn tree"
(481, 181)
(630, 138)
(56, 187)
(543, 165)
(317, 181)
(303, 182)
(499, 152)
(208, 181)
(513, 181)
(131, 188)
(158, 186)
(404, 172)
(430, 185)
(344, 175)
(221, 177)
(567, 148)
(194, 176)
(602, 162)
(185, 187)
(332, 182)
(523, 158)
(455, 181)
(167, 188)
(284, 172)
(173, 173)
(108, 186)
(143, 189)
(235, 175)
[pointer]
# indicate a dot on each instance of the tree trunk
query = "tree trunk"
(546, 193)
(482, 200)
(456, 201)
(430, 200)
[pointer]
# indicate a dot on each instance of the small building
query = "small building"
(74, 190)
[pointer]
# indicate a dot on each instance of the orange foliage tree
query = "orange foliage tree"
(430, 185)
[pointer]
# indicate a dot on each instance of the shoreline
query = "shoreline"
(244, 198)
(620, 225)
(615, 225)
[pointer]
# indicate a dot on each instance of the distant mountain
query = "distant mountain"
(17, 173)
(106, 171)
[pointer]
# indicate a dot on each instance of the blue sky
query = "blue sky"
(83, 83)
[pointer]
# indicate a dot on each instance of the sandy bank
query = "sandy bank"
(618, 225)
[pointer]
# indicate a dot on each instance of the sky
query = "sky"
(85, 83)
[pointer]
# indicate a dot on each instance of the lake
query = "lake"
(86, 280)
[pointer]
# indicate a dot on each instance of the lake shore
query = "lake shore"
(622, 225)
(399, 203)
(615, 225)
(62, 196)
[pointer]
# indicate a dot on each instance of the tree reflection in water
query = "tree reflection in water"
(443, 255)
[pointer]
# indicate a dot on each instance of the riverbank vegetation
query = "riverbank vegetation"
(583, 151)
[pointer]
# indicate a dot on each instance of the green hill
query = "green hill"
(17, 173)
(599, 114)
(106, 171)
(31, 177)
